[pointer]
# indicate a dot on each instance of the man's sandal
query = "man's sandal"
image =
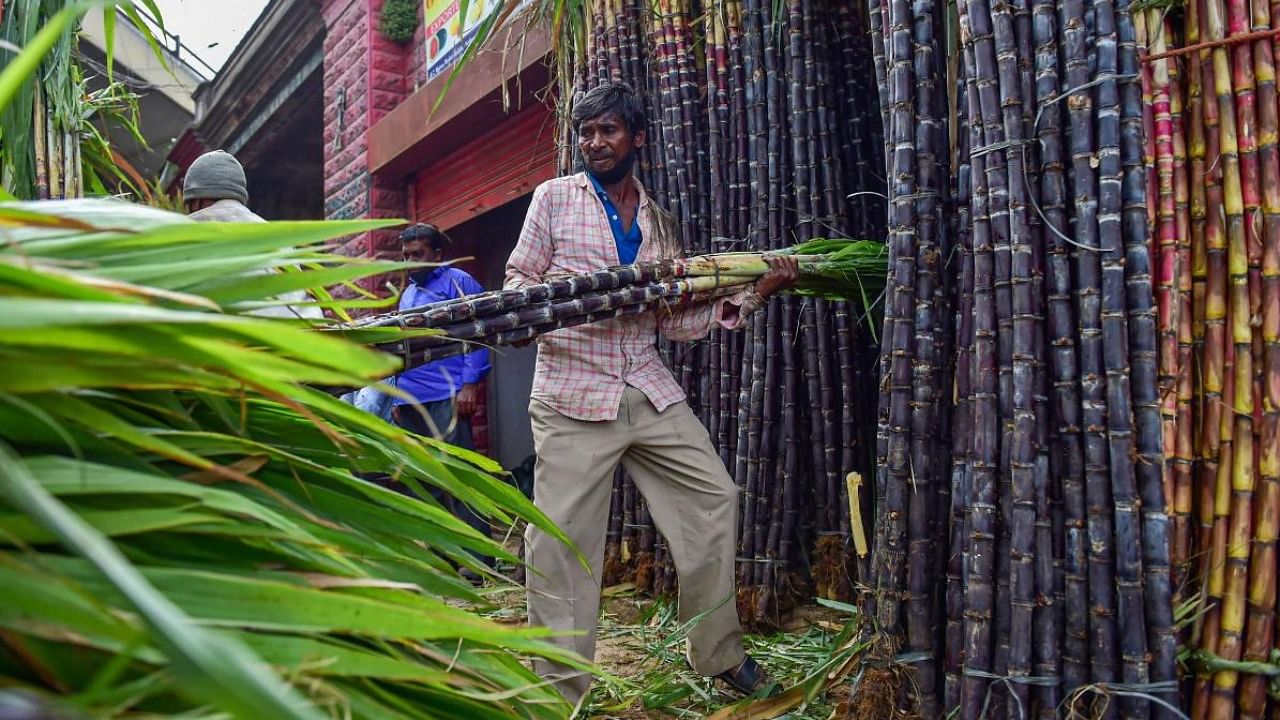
(747, 677)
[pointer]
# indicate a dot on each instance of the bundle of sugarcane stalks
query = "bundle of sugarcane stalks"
(1024, 569)
(828, 268)
(1112, 487)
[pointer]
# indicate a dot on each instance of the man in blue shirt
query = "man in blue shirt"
(447, 390)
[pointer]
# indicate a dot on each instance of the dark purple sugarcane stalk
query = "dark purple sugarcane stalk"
(1018, 317)
(1127, 541)
(1047, 563)
(731, 386)
(801, 114)
(492, 303)
(829, 403)
(883, 396)
(454, 346)
(878, 15)
(788, 495)
(1161, 645)
(1061, 372)
(696, 127)
(770, 412)
(980, 503)
(661, 73)
(775, 130)
(894, 473)
(740, 192)
(685, 178)
(825, 179)
(756, 126)
(746, 377)
(930, 153)
(753, 32)
(962, 434)
(995, 74)
(1065, 365)
(849, 417)
(1103, 636)
(751, 449)
(845, 82)
(813, 390)
(613, 40)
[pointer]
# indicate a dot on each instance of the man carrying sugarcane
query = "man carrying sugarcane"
(445, 392)
(602, 395)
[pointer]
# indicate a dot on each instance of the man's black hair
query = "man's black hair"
(611, 97)
(425, 232)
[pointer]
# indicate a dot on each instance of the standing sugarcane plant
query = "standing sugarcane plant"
(50, 133)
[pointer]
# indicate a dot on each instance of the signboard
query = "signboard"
(448, 33)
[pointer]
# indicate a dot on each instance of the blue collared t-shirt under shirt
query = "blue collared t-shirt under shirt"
(628, 240)
(441, 379)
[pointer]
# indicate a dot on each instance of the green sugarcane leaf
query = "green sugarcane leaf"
(27, 277)
(218, 599)
(45, 605)
(441, 531)
(129, 234)
(321, 657)
(43, 313)
(321, 350)
(75, 411)
(111, 523)
(109, 29)
(31, 372)
(189, 275)
(152, 40)
(212, 666)
(231, 290)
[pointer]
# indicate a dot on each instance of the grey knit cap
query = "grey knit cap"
(215, 175)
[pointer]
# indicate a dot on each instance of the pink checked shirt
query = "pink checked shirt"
(582, 371)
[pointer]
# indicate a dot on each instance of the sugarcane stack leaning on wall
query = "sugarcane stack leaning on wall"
(1047, 513)
(1115, 184)
(761, 125)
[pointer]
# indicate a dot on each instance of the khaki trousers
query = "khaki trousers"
(691, 497)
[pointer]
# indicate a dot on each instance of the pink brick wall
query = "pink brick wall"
(365, 77)
(416, 62)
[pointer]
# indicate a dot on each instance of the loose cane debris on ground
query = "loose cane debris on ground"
(641, 645)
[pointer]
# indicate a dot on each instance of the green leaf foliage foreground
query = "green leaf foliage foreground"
(183, 528)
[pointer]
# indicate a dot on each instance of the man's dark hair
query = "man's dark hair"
(610, 97)
(429, 234)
